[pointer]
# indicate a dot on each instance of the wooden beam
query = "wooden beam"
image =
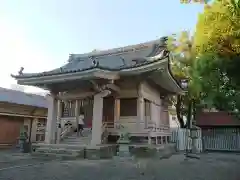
(22, 115)
(113, 87)
(80, 95)
(107, 75)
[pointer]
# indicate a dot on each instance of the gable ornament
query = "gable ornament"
(20, 72)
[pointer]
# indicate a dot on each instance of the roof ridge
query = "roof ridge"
(118, 50)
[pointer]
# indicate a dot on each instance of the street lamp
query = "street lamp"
(193, 131)
(184, 84)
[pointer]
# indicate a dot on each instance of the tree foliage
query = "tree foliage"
(218, 29)
(209, 60)
(216, 43)
(184, 55)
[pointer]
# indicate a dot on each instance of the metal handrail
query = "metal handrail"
(104, 135)
(66, 130)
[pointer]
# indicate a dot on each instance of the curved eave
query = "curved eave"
(164, 78)
(96, 72)
(179, 89)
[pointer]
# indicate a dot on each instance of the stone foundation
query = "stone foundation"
(58, 151)
(100, 152)
(152, 151)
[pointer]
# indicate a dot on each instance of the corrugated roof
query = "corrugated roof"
(18, 97)
(216, 119)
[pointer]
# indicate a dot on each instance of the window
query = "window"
(128, 107)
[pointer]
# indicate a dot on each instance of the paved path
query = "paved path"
(210, 167)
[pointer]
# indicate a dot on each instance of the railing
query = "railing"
(153, 127)
(104, 136)
(66, 130)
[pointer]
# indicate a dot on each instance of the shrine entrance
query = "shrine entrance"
(85, 107)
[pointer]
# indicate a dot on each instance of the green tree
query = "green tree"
(209, 61)
(216, 43)
(184, 56)
(218, 29)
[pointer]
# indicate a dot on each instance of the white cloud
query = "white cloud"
(16, 51)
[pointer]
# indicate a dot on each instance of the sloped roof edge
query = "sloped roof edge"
(18, 97)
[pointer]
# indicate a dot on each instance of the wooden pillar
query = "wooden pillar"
(161, 139)
(116, 111)
(77, 114)
(51, 120)
(140, 112)
(149, 139)
(97, 117)
(59, 113)
(97, 120)
(34, 130)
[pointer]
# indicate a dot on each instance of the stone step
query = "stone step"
(57, 150)
(69, 152)
(77, 143)
(76, 140)
(76, 136)
(57, 156)
(59, 146)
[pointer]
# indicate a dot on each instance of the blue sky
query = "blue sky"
(40, 34)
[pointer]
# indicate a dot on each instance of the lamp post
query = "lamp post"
(193, 131)
(184, 84)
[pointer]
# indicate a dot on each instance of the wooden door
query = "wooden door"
(108, 110)
(10, 129)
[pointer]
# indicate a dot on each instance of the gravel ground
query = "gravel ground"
(214, 166)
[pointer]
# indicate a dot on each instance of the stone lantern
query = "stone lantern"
(123, 142)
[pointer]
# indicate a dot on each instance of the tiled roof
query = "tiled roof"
(113, 59)
(18, 97)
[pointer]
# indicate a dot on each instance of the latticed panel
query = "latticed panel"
(41, 125)
(68, 108)
(85, 108)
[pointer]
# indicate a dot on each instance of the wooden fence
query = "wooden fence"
(183, 141)
(221, 139)
(215, 139)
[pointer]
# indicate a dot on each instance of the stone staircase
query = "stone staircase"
(73, 139)
(71, 147)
